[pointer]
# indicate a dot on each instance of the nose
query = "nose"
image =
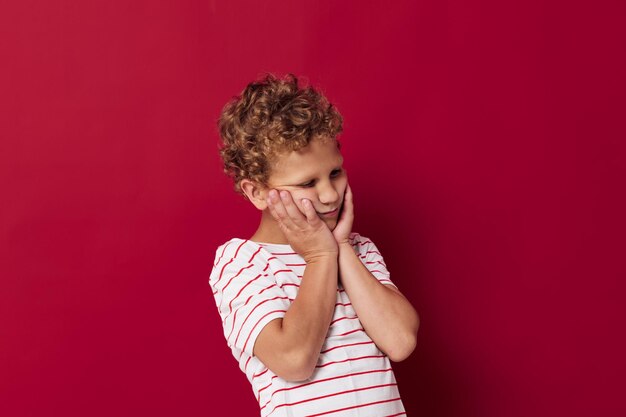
(328, 195)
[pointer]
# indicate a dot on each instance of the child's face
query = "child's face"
(315, 173)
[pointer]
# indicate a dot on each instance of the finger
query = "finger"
(348, 200)
(291, 208)
(347, 207)
(270, 205)
(348, 191)
(309, 211)
(277, 210)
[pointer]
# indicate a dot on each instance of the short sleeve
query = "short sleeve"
(247, 297)
(372, 258)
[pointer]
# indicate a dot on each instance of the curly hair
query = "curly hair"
(272, 116)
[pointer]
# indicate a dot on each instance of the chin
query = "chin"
(331, 225)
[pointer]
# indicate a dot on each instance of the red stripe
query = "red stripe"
(399, 414)
(272, 378)
(266, 288)
(342, 318)
(349, 344)
(245, 367)
(258, 394)
(261, 373)
(222, 271)
(350, 360)
(223, 250)
(257, 251)
(237, 251)
(257, 323)
(332, 395)
(324, 380)
(350, 332)
(356, 406)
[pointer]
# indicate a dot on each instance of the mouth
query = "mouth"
(331, 213)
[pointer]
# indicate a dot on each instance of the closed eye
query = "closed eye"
(333, 174)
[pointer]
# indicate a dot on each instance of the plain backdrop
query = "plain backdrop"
(485, 146)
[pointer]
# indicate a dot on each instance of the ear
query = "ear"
(255, 192)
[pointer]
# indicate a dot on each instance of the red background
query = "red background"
(485, 145)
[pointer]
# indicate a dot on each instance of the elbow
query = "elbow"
(296, 374)
(297, 367)
(405, 344)
(402, 350)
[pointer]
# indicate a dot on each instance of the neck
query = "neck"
(268, 230)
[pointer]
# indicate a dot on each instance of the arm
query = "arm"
(386, 315)
(290, 346)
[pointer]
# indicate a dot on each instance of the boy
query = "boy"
(307, 305)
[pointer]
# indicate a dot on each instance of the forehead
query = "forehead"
(319, 156)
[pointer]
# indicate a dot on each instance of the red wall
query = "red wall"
(485, 145)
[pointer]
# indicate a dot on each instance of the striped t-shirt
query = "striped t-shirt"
(255, 283)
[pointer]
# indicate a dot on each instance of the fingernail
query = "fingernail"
(283, 194)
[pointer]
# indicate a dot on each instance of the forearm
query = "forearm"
(386, 315)
(306, 322)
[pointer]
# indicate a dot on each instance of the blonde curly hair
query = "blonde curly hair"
(272, 116)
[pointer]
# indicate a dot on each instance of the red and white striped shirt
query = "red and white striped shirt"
(255, 283)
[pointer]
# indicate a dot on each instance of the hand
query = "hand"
(307, 234)
(346, 218)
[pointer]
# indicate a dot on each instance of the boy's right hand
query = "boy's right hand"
(307, 234)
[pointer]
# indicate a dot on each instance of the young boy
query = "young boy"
(307, 305)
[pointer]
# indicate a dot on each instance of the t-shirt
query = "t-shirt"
(255, 283)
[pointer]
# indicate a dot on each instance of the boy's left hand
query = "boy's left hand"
(346, 218)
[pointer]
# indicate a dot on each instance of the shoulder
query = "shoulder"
(236, 250)
(237, 258)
